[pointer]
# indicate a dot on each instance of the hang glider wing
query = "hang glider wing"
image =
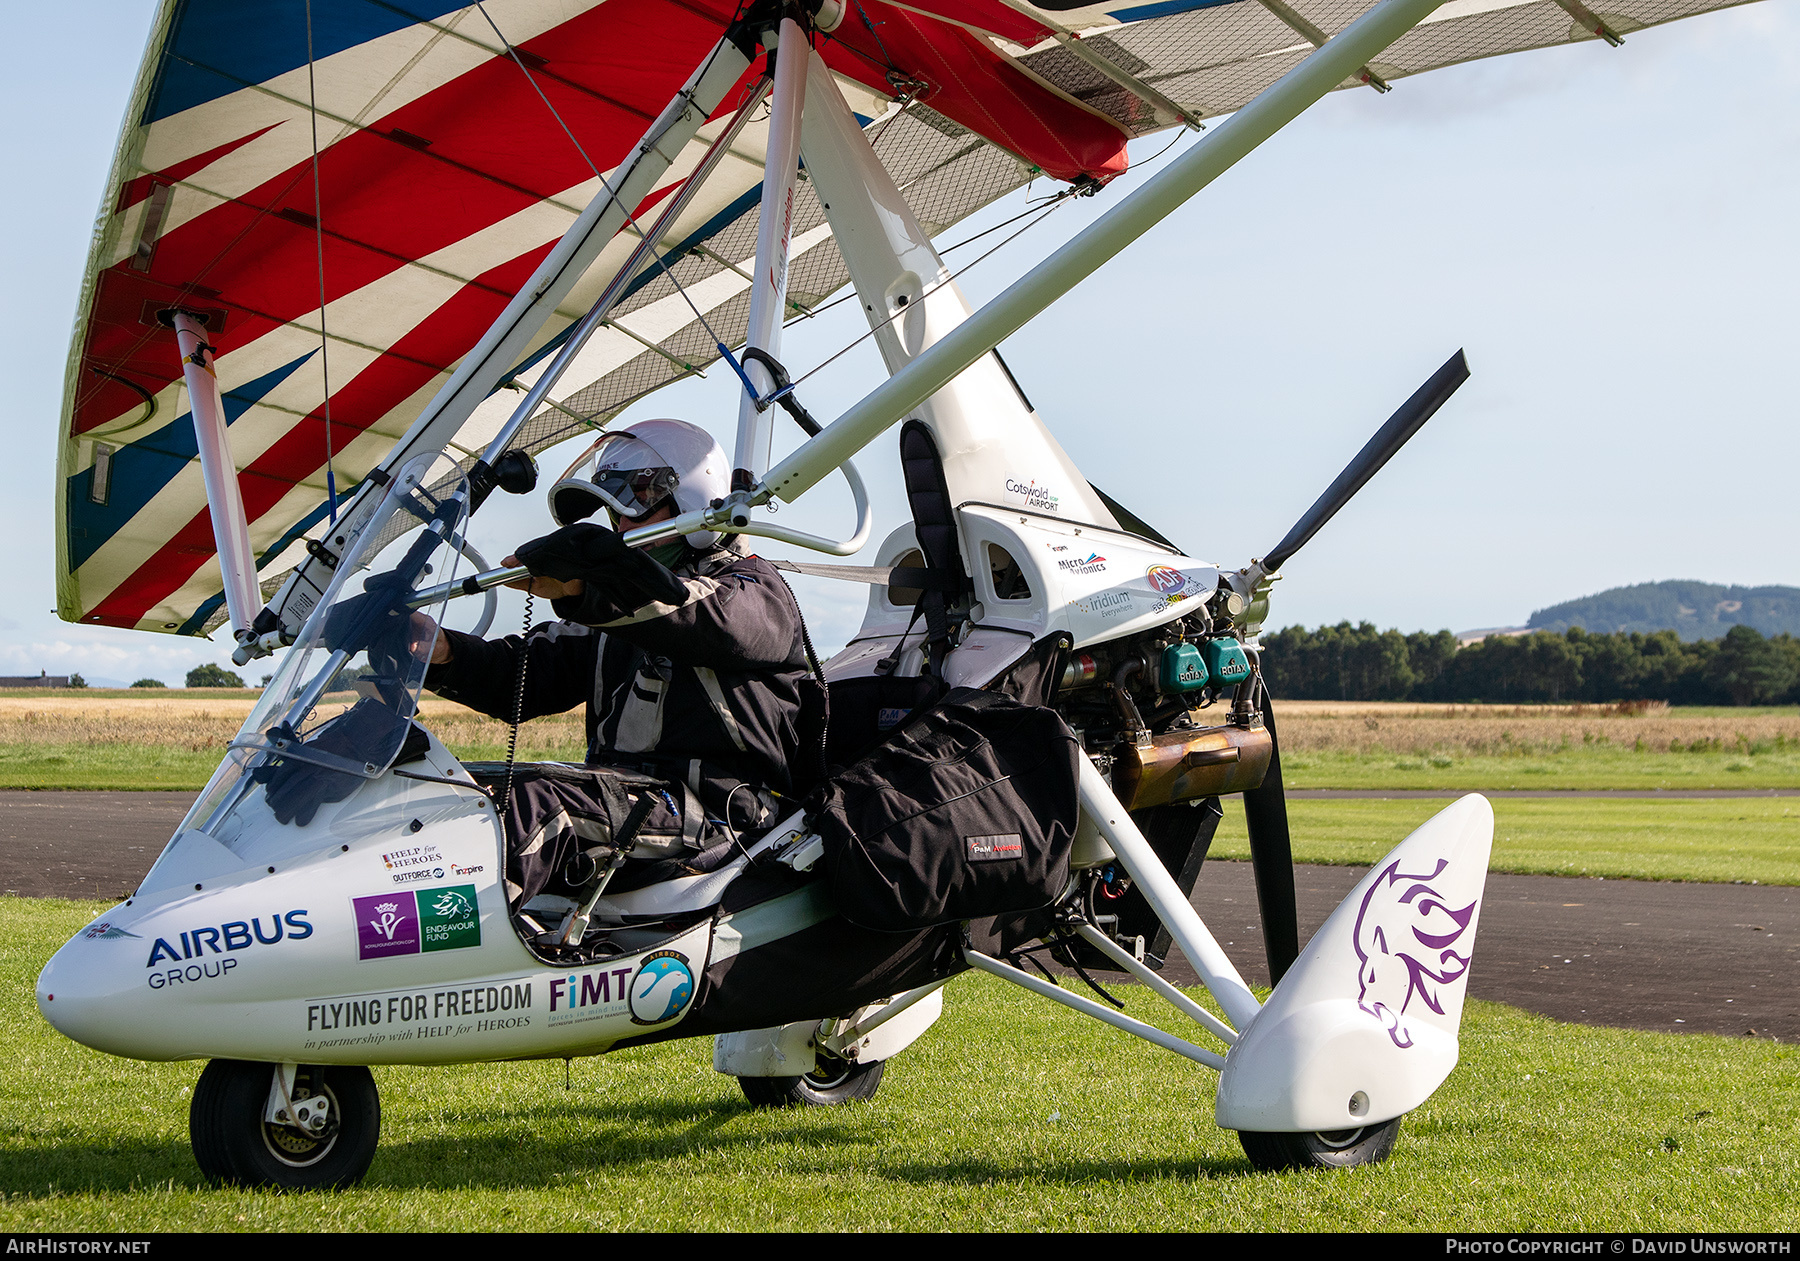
(354, 189)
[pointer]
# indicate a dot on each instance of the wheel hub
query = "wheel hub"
(312, 1134)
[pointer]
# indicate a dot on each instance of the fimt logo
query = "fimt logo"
(590, 989)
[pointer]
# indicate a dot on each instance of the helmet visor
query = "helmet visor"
(621, 473)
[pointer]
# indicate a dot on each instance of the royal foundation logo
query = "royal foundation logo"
(417, 921)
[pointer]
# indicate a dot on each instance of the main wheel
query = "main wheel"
(1327, 1149)
(234, 1143)
(832, 1081)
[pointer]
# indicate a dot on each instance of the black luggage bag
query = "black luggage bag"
(967, 811)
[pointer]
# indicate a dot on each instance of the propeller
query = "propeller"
(1265, 807)
(1386, 443)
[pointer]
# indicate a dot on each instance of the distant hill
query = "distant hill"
(1694, 610)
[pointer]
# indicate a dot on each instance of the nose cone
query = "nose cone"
(86, 993)
(67, 998)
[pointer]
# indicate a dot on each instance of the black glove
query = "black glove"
(295, 788)
(377, 620)
(616, 579)
(380, 623)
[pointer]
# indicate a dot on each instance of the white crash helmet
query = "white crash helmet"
(631, 472)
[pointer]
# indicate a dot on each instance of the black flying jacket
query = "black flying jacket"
(715, 678)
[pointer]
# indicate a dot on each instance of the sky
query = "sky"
(1608, 233)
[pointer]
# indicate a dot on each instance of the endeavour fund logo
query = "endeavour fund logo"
(416, 921)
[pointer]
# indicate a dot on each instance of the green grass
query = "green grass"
(1010, 1115)
(123, 767)
(106, 767)
(1717, 839)
(1579, 766)
(134, 767)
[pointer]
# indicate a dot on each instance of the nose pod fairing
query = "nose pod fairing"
(1364, 1026)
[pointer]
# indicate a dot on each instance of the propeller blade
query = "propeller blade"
(1401, 426)
(1181, 836)
(1272, 859)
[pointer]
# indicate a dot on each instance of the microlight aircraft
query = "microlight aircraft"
(361, 259)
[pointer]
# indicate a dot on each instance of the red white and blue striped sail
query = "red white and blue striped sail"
(356, 189)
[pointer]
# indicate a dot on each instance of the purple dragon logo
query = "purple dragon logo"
(1405, 938)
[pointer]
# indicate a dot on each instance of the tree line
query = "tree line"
(1361, 663)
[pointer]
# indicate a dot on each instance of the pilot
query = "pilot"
(689, 654)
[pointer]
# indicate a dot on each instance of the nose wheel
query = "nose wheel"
(251, 1126)
(1326, 1149)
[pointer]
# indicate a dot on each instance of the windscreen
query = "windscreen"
(339, 709)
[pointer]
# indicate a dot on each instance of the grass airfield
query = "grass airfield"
(1726, 839)
(1011, 1115)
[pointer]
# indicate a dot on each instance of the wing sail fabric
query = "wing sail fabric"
(443, 178)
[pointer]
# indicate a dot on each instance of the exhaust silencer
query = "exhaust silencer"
(1186, 765)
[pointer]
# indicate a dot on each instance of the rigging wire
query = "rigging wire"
(1044, 205)
(312, 101)
(630, 217)
(1042, 214)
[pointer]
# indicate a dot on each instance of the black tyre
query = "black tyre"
(1330, 1149)
(234, 1144)
(834, 1081)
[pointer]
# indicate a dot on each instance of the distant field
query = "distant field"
(1722, 839)
(144, 739)
(1369, 744)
